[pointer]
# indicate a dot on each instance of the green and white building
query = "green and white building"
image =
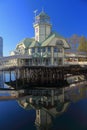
(46, 48)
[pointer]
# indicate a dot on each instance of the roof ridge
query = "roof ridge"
(51, 36)
(57, 34)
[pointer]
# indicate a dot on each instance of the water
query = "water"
(14, 117)
(75, 118)
(53, 109)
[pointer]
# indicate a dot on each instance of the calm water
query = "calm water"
(74, 117)
(13, 117)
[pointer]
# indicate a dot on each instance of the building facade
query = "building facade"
(1, 47)
(1, 55)
(46, 48)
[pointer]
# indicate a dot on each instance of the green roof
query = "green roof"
(30, 42)
(36, 55)
(57, 35)
(43, 14)
(50, 38)
(46, 55)
(27, 42)
(35, 44)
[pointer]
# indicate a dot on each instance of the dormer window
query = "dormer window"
(59, 42)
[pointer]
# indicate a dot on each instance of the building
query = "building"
(1, 55)
(1, 47)
(75, 58)
(46, 48)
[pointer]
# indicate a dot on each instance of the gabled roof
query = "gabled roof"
(35, 44)
(42, 14)
(52, 37)
(46, 54)
(36, 55)
(26, 42)
(48, 40)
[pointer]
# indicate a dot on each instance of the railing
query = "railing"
(75, 63)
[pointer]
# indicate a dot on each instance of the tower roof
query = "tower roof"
(43, 15)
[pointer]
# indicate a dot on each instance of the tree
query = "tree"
(82, 44)
(74, 41)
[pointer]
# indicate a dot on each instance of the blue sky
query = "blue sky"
(68, 17)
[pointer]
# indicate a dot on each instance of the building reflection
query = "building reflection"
(50, 103)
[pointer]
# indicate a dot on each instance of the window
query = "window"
(39, 50)
(21, 50)
(36, 30)
(55, 49)
(43, 49)
(59, 42)
(33, 50)
(49, 49)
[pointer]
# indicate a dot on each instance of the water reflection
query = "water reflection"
(47, 103)
(50, 103)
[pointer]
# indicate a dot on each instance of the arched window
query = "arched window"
(59, 42)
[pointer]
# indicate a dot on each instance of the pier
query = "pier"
(40, 76)
(27, 76)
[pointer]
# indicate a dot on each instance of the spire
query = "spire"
(42, 9)
(35, 12)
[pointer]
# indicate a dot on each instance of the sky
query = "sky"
(68, 17)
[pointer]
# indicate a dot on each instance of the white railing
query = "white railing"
(75, 63)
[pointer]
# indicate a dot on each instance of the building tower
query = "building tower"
(42, 26)
(43, 119)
